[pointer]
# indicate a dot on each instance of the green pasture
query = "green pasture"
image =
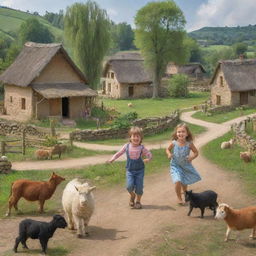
(156, 107)
(222, 117)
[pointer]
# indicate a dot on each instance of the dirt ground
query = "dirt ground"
(115, 228)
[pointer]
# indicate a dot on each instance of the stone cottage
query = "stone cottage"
(43, 81)
(124, 76)
(234, 83)
(193, 70)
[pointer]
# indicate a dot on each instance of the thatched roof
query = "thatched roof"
(239, 74)
(31, 61)
(51, 91)
(128, 67)
(191, 68)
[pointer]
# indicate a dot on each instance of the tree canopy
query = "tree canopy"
(33, 30)
(87, 33)
(159, 35)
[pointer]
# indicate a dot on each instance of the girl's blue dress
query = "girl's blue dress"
(181, 169)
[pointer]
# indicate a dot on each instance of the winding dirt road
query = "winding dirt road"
(115, 228)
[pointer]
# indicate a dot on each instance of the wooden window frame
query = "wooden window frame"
(23, 103)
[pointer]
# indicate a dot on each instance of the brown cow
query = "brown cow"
(33, 191)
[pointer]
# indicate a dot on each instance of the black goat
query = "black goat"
(38, 230)
(202, 200)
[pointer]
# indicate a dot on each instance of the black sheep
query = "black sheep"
(202, 200)
(38, 230)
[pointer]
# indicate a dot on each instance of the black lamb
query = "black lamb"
(38, 230)
(202, 200)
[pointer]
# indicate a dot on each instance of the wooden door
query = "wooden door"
(218, 100)
(243, 98)
(130, 91)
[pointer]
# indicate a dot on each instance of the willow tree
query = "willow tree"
(86, 32)
(159, 35)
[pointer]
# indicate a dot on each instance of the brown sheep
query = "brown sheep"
(42, 154)
(58, 149)
(237, 219)
(246, 156)
(33, 191)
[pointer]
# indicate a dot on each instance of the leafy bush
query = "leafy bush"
(99, 113)
(50, 141)
(178, 86)
(124, 121)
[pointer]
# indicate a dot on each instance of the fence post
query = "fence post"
(53, 131)
(2, 148)
(23, 142)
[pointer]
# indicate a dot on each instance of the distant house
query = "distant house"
(124, 76)
(234, 83)
(43, 81)
(193, 70)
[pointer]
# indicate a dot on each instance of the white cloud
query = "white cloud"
(225, 13)
(112, 12)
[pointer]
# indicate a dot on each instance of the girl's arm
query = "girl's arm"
(194, 150)
(118, 154)
(169, 151)
(146, 153)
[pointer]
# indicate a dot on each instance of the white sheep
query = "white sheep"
(78, 204)
(130, 105)
(227, 144)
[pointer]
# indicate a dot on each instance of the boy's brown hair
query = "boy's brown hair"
(189, 136)
(136, 131)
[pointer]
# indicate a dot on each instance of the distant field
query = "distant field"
(156, 107)
(11, 20)
(214, 48)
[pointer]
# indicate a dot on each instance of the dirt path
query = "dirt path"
(115, 228)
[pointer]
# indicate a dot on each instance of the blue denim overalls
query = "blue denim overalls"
(134, 172)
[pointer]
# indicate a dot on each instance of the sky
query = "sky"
(198, 13)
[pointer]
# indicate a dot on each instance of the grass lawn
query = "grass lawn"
(156, 107)
(229, 159)
(152, 139)
(223, 117)
(107, 175)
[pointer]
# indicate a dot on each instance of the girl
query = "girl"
(135, 165)
(182, 171)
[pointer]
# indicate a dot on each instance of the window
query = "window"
(221, 80)
(112, 75)
(253, 93)
(11, 99)
(23, 103)
(109, 87)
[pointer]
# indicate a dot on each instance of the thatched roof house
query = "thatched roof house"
(43, 81)
(234, 82)
(124, 76)
(195, 70)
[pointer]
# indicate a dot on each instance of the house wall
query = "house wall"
(43, 108)
(76, 107)
(222, 90)
(13, 101)
(112, 86)
(58, 70)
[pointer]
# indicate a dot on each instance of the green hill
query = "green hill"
(225, 35)
(10, 21)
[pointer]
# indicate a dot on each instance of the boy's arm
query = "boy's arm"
(169, 151)
(117, 154)
(147, 154)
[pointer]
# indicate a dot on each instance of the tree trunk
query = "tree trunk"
(156, 82)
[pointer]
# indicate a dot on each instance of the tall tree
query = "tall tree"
(87, 32)
(33, 30)
(159, 35)
(125, 36)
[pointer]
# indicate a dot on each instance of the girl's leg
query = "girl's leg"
(130, 187)
(139, 184)
(184, 187)
(178, 191)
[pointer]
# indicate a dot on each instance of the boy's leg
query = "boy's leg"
(139, 184)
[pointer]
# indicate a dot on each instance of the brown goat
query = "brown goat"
(33, 191)
(58, 149)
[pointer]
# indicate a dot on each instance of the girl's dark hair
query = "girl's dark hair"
(189, 136)
(136, 131)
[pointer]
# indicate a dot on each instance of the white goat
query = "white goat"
(78, 204)
(227, 144)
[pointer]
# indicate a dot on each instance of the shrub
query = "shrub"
(99, 113)
(124, 121)
(178, 86)
(50, 141)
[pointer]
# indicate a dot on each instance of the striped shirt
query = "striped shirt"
(134, 152)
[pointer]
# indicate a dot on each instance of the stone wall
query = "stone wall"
(5, 165)
(150, 126)
(13, 128)
(242, 138)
